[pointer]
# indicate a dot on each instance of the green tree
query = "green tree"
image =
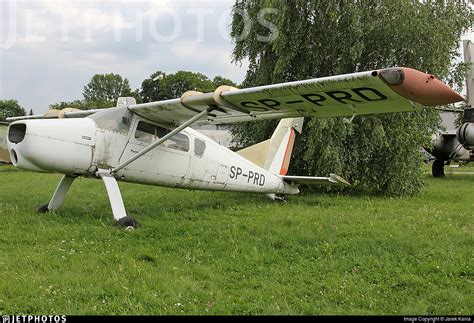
(161, 86)
(174, 85)
(107, 88)
(76, 104)
(219, 80)
(10, 108)
(150, 90)
(310, 39)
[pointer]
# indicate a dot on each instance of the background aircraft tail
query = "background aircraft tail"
(274, 154)
(4, 155)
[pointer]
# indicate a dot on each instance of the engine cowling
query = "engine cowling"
(465, 135)
(446, 147)
(52, 145)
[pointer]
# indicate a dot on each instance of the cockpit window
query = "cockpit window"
(149, 133)
(114, 119)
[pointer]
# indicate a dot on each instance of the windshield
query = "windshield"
(113, 119)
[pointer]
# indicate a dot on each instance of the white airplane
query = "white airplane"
(152, 143)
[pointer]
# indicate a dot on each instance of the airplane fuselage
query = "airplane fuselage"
(80, 147)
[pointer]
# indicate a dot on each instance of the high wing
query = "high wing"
(397, 89)
(382, 91)
(53, 114)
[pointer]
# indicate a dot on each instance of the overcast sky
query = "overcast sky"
(50, 49)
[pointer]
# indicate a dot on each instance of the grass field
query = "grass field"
(230, 253)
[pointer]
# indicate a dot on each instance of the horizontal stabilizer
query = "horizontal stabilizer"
(332, 180)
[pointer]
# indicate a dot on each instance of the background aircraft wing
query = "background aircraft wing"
(372, 92)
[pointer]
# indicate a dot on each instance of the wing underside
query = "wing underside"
(373, 92)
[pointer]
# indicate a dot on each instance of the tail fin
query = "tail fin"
(274, 154)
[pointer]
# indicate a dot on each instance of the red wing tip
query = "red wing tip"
(418, 86)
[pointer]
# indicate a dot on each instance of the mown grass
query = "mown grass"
(231, 253)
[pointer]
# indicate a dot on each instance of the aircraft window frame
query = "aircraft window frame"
(150, 133)
(199, 147)
(113, 119)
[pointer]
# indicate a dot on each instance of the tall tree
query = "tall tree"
(161, 86)
(76, 104)
(150, 91)
(307, 39)
(219, 80)
(107, 88)
(10, 108)
(174, 85)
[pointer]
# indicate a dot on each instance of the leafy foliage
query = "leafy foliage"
(320, 38)
(160, 86)
(151, 87)
(219, 80)
(82, 105)
(107, 88)
(10, 108)
(101, 92)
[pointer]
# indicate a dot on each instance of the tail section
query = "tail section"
(274, 154)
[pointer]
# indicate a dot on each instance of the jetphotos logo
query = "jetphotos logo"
(33, 319)
(24, 23)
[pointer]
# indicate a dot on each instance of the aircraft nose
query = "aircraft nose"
(56, 145)
(15, 139)
(16, 134)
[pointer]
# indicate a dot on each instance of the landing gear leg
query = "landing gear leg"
(58, 197)
(277, 197)
(437, 168)
(116, 202)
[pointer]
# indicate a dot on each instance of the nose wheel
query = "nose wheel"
(58, 197)
(43, 208)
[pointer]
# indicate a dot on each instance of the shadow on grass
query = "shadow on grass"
(98, 207)
(7, 168)
(451, 178)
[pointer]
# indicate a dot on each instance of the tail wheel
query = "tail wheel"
(437, 168)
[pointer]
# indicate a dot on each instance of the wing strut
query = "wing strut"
(164, 138)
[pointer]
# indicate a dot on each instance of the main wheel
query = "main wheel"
(128, 223)
(437, 169)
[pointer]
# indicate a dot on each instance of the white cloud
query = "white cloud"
(57, 46)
